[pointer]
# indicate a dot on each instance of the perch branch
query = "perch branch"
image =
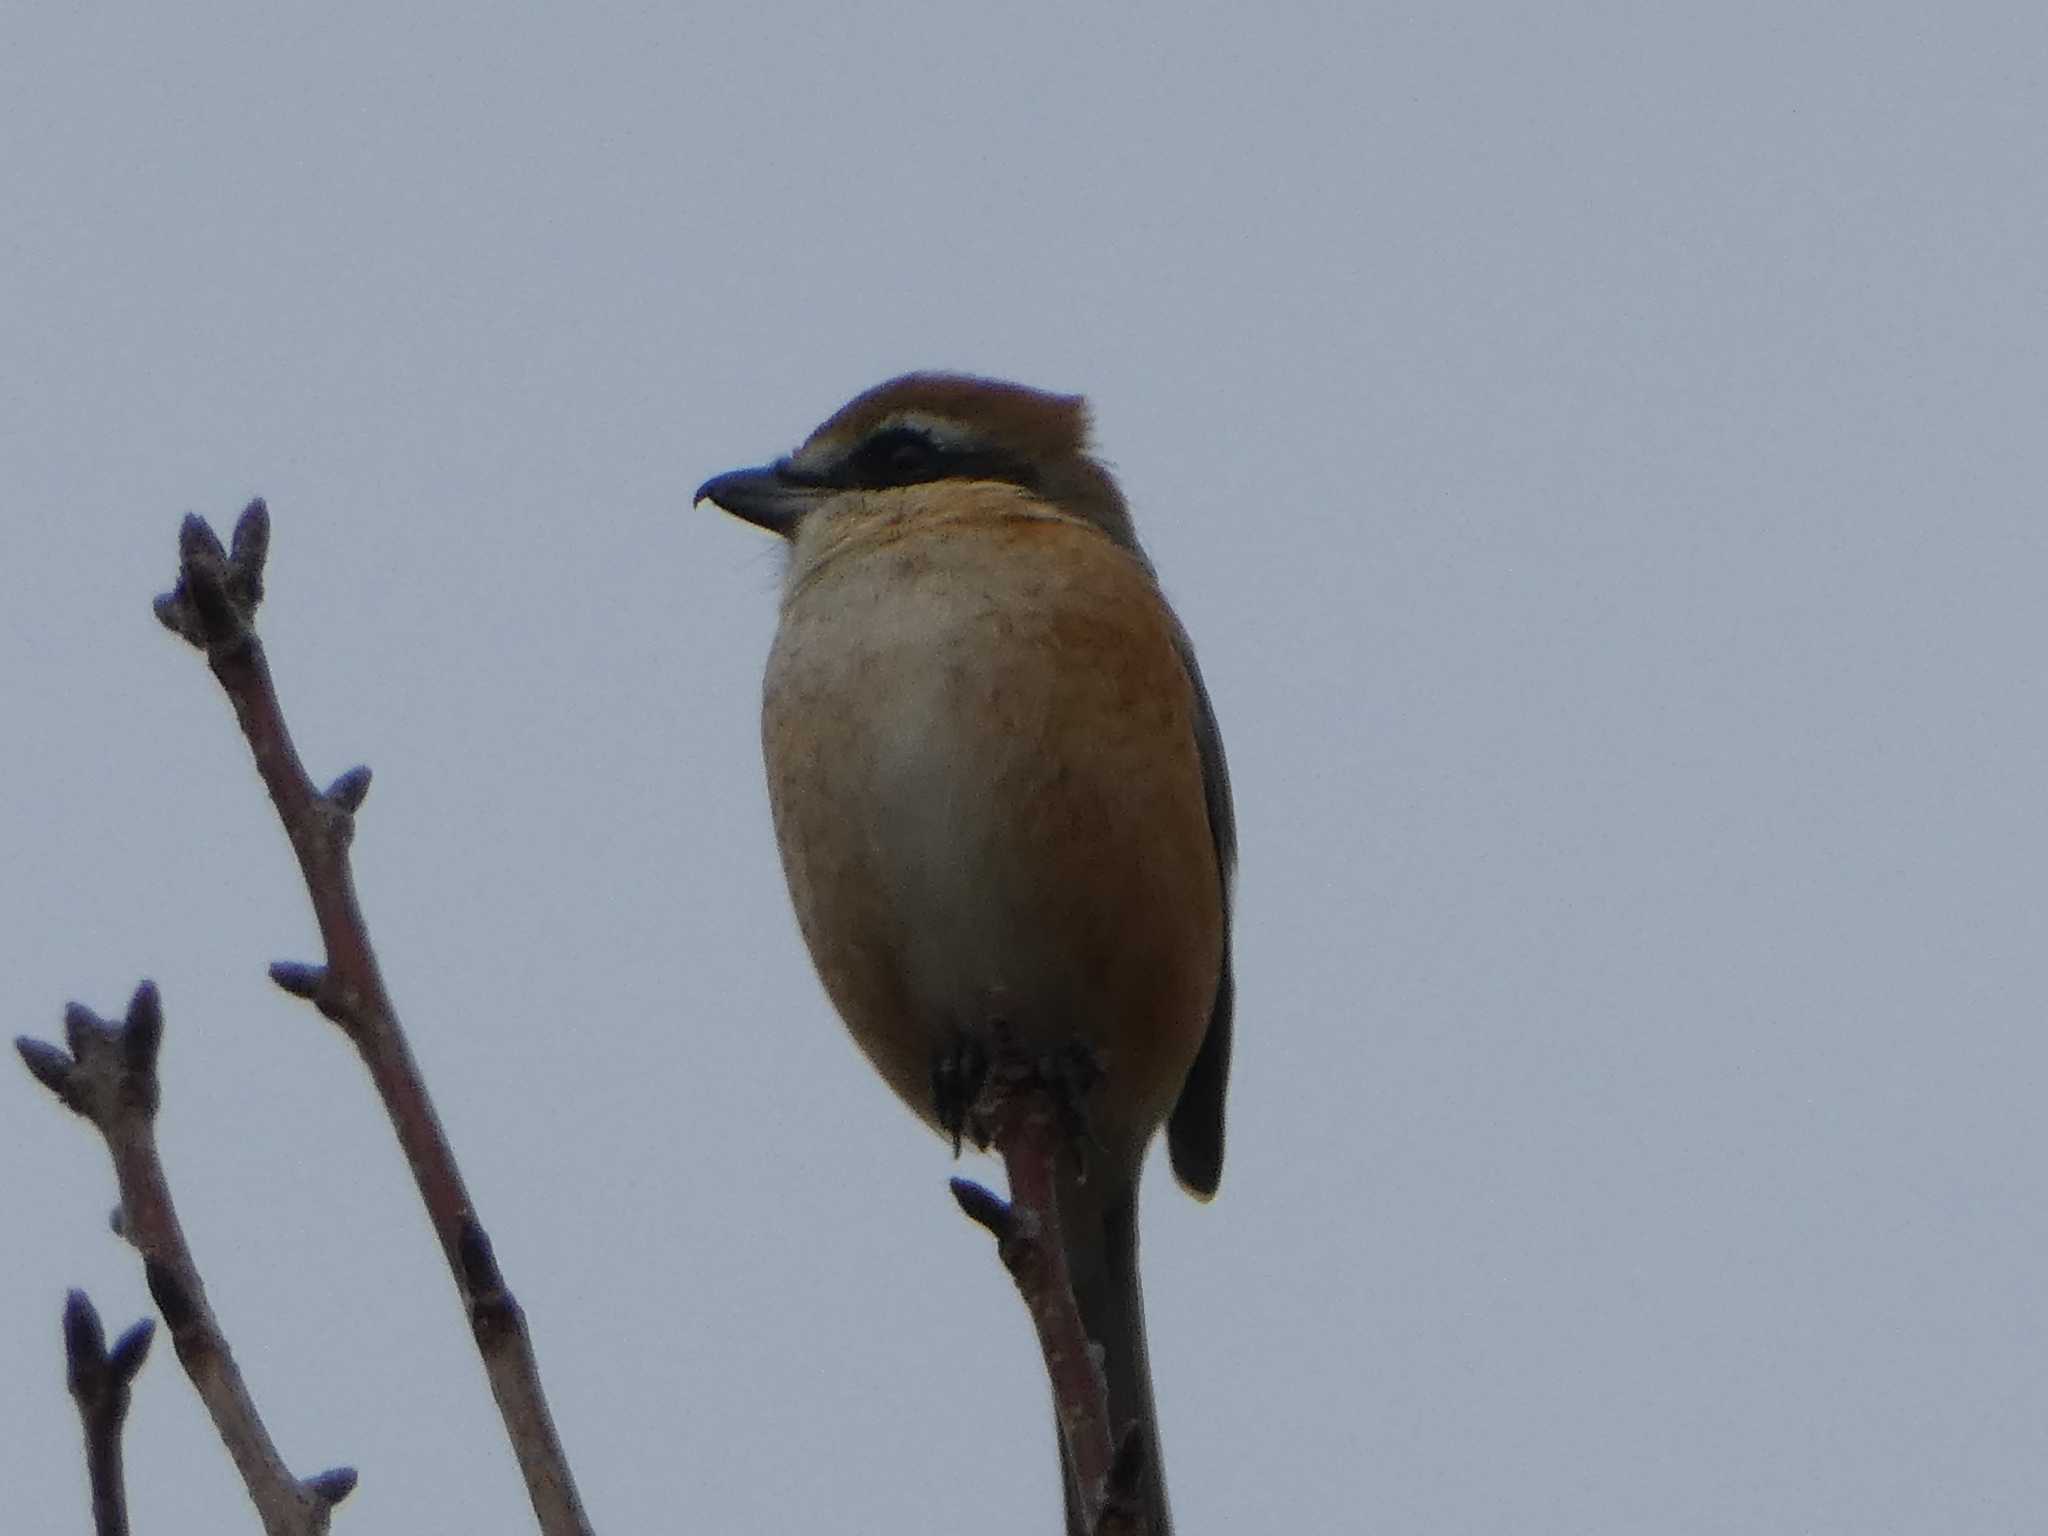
(1022, 1116)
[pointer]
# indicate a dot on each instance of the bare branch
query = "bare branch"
(214, 608)
(99, 1379)
(1123, 1503)
(109, 1076)
(1027, 1121)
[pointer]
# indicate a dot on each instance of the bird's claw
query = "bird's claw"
(960, 1071)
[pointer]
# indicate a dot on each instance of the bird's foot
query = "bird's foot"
(977, 1081)
(960, 1074)
(1007, 1077)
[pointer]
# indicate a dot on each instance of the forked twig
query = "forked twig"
(108, 1075)
(214, 607)
(99, 1378)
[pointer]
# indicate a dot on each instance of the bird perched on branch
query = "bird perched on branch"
(999, 791)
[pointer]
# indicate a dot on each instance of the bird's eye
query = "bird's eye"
(898, 456)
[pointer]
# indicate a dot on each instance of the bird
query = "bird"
(1000, 796)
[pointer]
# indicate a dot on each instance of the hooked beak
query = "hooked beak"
(768, 497)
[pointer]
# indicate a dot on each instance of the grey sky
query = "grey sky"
(1598, 451)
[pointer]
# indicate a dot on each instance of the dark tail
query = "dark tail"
(1102, 1255)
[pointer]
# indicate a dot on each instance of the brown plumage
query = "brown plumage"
(998, 787)
(1037, 424)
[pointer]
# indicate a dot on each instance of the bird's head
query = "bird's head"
(924, 428)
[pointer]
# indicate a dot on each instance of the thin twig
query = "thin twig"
(1026, 1127)
(214, 607)
(99, 1379)
(109, 1076)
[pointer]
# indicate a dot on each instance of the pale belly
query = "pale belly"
(989, 807)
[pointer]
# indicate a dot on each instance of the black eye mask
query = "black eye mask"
(904, 455)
